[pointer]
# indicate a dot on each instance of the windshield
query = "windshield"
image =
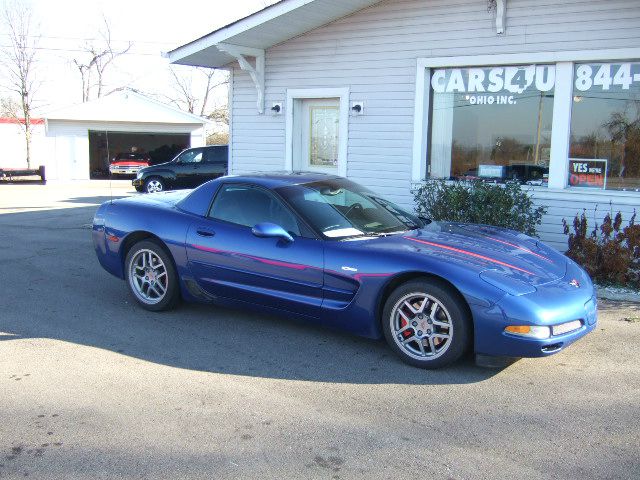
(339, 208)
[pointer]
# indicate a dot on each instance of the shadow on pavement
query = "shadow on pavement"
(97, 200)
(53, 287)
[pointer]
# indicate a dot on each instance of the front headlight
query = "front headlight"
(533, 331)
(139, 174)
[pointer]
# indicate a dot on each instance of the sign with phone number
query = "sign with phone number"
(606, 75)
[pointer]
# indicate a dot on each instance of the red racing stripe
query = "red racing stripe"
(520, 248)
(471, 254)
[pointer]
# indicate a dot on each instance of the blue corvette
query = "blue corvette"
(325, 249)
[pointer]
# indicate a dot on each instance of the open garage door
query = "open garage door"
(104, 147)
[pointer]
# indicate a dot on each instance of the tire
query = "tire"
(151, 276)
(154, 184)
(417, 333)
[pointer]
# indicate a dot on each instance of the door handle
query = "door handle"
(205, 233)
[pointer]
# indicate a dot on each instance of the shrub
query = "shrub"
(609, 253)
(476, 201)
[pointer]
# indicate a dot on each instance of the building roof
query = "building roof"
(270, 26)
(126, 106)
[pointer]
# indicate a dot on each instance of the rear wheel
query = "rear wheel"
(151, 276)
(425, 323)
(154, 184)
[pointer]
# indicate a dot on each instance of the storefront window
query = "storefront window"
(605, 126)
(492, 123)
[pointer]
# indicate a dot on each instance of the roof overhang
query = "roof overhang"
(268, 27)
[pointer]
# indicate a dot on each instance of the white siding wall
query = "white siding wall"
(198, 138)
(595, 204)
(374, 52)
(13, 146)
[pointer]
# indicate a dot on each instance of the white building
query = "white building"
(83, 138)
(14, 151)
(391, 92)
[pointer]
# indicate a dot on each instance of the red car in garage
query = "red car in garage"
(129, 163)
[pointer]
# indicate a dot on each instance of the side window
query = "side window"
(248, 205)
(191, 156)
(217, 155)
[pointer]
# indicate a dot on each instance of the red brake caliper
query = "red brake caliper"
(403, 323)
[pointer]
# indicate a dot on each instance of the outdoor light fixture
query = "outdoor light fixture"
(357, 108)
(276, 109)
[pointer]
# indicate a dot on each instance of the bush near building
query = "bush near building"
(610, 253)
(504, 205)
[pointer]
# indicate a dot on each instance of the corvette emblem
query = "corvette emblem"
(574, 283)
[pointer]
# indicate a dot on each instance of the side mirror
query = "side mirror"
(271, 230)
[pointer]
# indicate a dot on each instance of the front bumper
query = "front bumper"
(550, 305)
(132, 170)
(137, 182)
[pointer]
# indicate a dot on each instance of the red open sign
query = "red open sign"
(590, 173)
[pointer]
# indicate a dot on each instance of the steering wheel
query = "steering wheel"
(355, 206)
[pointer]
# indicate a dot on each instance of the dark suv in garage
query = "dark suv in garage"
(189, 169)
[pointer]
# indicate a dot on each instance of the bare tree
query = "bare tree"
(9, 108)
(98, 55)
(220, 114)
(185, 95)
(18, 60)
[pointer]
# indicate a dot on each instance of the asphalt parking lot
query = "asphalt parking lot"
(91, 386)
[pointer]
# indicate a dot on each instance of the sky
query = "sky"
(65, 26)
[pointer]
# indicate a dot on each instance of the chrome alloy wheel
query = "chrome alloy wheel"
(154, 186)
(421, 326)
(148, 276)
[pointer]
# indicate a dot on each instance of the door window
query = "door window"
(191, 156)
(319, 133)
(247, 205)
(323, 136)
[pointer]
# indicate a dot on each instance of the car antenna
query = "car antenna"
(110, 174)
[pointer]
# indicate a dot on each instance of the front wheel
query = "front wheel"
(151, 276)
(154, 184)
(426, 324)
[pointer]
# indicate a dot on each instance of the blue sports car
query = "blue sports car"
(322, 248)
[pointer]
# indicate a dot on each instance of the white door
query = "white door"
(318, 129)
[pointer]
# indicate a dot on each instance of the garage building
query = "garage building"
(84, 138)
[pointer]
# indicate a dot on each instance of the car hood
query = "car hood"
(482, 249)
(129, 162)
(156, 166)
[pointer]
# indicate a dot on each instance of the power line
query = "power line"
(89, 39)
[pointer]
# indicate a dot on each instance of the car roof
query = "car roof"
(198, 200)
(280, 179)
